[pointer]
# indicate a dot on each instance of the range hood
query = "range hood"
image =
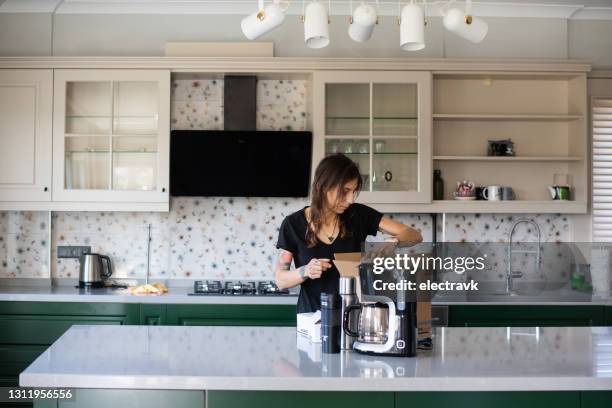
(240, 161)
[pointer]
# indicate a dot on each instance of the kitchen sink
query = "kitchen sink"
(524, 292)
(533, 292)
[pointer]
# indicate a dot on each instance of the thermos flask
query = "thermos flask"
(349, 297)
(330, 322)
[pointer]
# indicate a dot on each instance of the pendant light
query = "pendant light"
(362, 22)
(264, 20)
(412, 27)
(464, 24)
(316, 25)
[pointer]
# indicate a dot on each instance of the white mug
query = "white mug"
(492, 193)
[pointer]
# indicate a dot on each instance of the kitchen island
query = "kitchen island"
(248, 366)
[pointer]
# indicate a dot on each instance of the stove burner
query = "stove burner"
(208, 287)
(238, 288)
(270, 288)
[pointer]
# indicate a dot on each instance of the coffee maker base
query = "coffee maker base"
(393, 352)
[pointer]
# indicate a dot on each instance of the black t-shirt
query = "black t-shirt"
(359, 221)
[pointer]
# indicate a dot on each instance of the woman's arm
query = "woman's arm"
(404, 235)
(286, 277)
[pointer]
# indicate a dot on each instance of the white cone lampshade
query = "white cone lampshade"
(262, 21)
(316, 29)
(364, 20)
(455, 22)
(412, 28)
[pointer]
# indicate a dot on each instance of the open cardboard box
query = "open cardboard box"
(347, 264)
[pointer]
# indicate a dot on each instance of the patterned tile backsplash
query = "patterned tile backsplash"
(212, 237)
(24, 244)
(198, 104)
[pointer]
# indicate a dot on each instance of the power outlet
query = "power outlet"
(72, 251)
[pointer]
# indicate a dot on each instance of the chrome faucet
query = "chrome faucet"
(510, 274)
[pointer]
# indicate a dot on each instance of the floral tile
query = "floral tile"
(25, 256)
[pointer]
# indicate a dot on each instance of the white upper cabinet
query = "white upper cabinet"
(382, 120)
(111, 137)
(26, 106)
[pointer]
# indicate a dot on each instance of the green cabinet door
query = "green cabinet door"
(86, 398)
(299, 399)
(608, 316)
(42, 323)
(596, 399)
(15, 358)
(28, 328)
(487, 399)
(525, 316)
(231, 315)
(152, 314)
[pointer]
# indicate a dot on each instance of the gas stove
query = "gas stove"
(238, 288)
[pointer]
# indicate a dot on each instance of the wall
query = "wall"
(215, 237)
(146, 35)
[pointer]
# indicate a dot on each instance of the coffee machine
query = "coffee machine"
(387, 318)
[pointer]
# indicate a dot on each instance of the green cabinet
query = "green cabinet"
(596, 399)
(153, 314)
(28, 328)
(299, 399)
(133, 399)
(487, 399)
(525, 315)
(42, 323)
(608, 316)
(231, 315)
(327, 399)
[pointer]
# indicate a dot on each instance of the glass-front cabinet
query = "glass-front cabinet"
(382, 120)
(111, 136)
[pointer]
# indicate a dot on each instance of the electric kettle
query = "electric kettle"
(92, 272)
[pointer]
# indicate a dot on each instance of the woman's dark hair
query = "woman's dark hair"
(332, 173)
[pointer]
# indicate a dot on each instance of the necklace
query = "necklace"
(331, 236)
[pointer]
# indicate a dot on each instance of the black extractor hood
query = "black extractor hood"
(240, 161)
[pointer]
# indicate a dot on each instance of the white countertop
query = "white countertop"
(176, 295)
(179, 295)
(268, 358)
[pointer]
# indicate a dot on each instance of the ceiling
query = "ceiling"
(566, 9)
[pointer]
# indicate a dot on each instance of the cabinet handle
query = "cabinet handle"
(46, 189)
(163, 189)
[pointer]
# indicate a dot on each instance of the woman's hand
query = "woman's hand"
(380, 250)
(385, 249)
(405, 235)
(315, 268)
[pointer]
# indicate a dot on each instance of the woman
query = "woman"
(333, 223)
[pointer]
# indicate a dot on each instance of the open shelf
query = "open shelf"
(544, 116)
(368, 118)
(126, 135)
(362, 137)
(510, 158)
(114, 151)
(507, 117)
(510, 206)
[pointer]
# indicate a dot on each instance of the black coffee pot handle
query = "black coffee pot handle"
(345, 319)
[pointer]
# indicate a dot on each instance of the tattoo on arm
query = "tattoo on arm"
(302, 271)
(284, 261)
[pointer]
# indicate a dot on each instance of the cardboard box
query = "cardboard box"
(309, 325)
